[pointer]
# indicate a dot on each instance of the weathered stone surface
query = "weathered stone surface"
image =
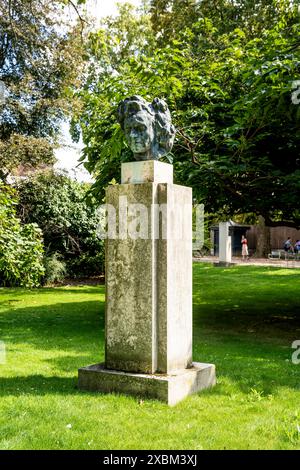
(150, 171)
(174, 280)
(170, 388)
(149, 284)
(131, 290)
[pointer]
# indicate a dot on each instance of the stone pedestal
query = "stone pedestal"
(148, 349)
(169, 389)
(225, 249)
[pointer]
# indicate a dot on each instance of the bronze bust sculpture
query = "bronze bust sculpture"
(147, 127)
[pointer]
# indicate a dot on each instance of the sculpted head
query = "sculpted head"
(147, 127)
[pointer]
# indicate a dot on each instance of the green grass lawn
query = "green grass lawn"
(245, 319)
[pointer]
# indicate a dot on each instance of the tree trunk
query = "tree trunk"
(263, 247)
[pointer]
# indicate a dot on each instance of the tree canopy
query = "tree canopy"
(227, 71)
(40, 63)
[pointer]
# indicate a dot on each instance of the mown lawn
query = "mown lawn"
(245, 320)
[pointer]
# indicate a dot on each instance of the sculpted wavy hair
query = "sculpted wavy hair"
(164, 131)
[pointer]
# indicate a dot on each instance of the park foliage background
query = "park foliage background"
(228, 71)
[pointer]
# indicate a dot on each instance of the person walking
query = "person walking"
(297, 249)
(245, 251)
(288, 247)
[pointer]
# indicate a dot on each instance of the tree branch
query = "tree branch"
(82, 20)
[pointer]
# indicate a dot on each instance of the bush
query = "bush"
(55, 269)
(86, 265)
(21, 246)
(59, 206)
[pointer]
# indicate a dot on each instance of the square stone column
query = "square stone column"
(225, 249)
(149, 281)
(148, 321)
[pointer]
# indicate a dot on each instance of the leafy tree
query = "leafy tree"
(110, 51)
(24, 150)
(245, 150)
(40, 62)
(230, 97)
(21, 246)
(58, 205)
(171, 18)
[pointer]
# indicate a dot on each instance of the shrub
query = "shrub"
(55, 269)
(59, 206)
(86, 265)
(21, 246)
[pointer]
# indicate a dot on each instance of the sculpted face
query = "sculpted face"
(147, 126)
(139, 132)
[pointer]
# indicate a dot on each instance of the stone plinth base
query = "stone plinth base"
(224, 264)
(167, 388)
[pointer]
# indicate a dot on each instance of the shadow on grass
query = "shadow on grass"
(246, 330)
(262, 301)
(72, 363)
(244, 373)
(68, 326)
(247, 362)
(38, 385)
